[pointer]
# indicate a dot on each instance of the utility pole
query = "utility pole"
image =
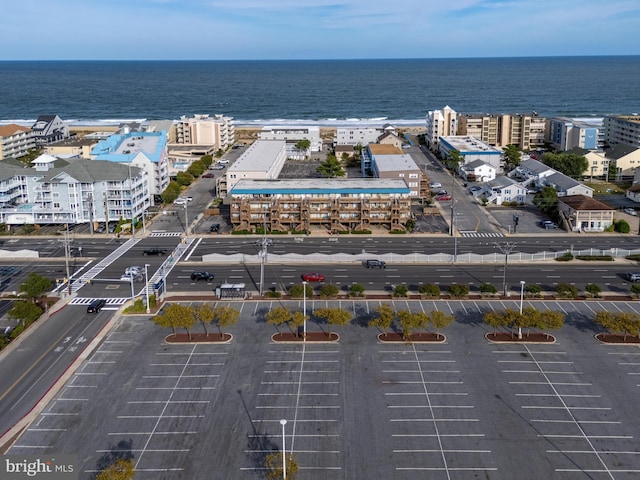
(506, 248)
(66, 258)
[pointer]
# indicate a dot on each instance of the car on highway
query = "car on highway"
(137, 277)
(631, 211)
(548, 224)
(206, 276)
(444, 198)
(375, 263)
(633, 276)
(135, 269)
(435, 185)
(312, 277)
(154, 251)
(264, 241)
(96, 305)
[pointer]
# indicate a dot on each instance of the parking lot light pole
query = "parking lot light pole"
(304, 311)
(146, 285)
(522, 282)
(283, 422)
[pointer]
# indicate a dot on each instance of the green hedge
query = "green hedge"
(595, 258)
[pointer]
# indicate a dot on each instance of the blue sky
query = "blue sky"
(315, 29)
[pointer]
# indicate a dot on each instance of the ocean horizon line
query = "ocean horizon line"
(240, 123)
(512, 57)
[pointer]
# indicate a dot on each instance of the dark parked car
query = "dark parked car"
(96, 305)
(375, 264)
(215, 228)
(154, 251)
(548, 224)
(208, 175)
(206, 276)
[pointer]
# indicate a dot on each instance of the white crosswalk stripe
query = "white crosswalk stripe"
(87, 301)
(481, 234)
(165, 234)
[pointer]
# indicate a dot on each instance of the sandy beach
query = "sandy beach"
(251, 134)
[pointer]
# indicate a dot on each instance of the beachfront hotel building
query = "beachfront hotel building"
(524, 131)
(622, 129)
(361, 135)
(333, 204)
(15, 141)
(470, 149)
(145, 150)
(57, 191)
(568, 133)
(218, 131)
(292, 135)
(440, 123)
(262, 160)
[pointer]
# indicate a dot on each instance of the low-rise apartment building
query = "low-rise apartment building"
(585, 214)
(524, 131)
(218, 131)
(622, 129)
(470, 149)
(15, 141)
(71, 147)
(401, 166)
(145, 150)
(57, 191)
(333, 204)
(361, 135)
(292, 135)
(263, 159)
(440, 123)
(568, 133)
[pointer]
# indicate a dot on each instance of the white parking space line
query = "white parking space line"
(595, 422)
(420, 393)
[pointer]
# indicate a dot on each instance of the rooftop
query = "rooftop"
(469, 145)
(333, 186)
(259, 156)
(392, 163)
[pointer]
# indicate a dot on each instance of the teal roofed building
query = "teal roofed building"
(145, 150)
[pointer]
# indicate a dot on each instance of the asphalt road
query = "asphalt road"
(465, 409)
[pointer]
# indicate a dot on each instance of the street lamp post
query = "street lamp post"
(283, 422)
(522, 282)
(304, 311)
(133, 295)
(186, 221)
(146, 285)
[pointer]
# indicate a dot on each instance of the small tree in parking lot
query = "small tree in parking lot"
(439, 320)
(400, 291)
(277, 316)
(334, 316)
(384, 317)
(223, 316)
(356, 290)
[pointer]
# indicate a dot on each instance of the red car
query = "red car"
(444, 198)
(208, 175)
(313, 277)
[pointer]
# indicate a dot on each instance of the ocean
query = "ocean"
(324, 93)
